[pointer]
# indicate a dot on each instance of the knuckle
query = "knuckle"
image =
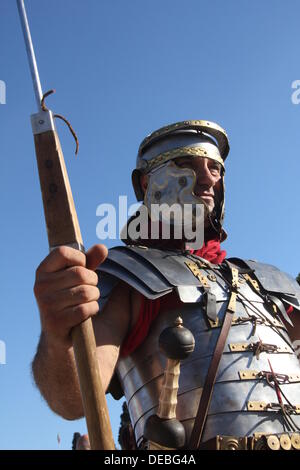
(81, 274)
(84, 293)
(63, 252)
(97, 294)
(82, 311)
(94, 278)
(70, 255)
(94, 307)
(87, 293)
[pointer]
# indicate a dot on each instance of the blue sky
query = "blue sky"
(122, 69)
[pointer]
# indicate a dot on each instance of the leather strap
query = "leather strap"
(280, 307)
(210, 305)
(207, 391)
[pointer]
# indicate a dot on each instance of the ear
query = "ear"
(144, 182)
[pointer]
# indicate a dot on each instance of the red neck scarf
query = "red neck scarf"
(211, 251)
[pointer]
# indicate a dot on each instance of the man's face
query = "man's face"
(208, 178)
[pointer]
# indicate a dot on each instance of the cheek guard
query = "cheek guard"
(172, 187)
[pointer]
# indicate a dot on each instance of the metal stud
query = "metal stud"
(273, 443)
(285, 442)
(295, 441)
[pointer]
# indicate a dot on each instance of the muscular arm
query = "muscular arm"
(66, 292)
(55, 375)
(54, 367)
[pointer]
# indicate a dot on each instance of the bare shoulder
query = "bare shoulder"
(111, 324)
(110, 327)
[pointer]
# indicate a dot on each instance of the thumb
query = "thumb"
(95, 256)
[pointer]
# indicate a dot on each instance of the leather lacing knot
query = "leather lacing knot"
(260, 347)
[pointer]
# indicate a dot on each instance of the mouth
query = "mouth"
(206, 196)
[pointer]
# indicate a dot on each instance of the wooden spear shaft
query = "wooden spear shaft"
(63, 229)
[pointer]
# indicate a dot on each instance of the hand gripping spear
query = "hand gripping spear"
(63, 229)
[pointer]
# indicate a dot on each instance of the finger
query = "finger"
(95, 256)
(66, 278)
(66, 298)
(59, 324)
(79, 313)
(60, 258)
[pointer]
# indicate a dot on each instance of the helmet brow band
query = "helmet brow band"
(181, 152)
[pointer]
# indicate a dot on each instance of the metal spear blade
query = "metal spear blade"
(30, 53)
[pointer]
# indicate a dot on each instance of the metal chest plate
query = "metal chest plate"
(141, 374)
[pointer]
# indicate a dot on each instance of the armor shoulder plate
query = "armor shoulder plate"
(273, 280)
(150, 271)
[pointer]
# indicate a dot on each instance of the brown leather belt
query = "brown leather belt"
(207, 391)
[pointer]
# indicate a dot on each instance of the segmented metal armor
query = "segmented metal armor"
(258, 364)
(240, 387)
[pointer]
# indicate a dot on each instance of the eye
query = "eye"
(215, 168)
(182, 163)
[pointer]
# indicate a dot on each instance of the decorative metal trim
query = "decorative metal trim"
(270, 348)
(198, 273)
(181, 152)
(42, 122)
(263, 406)
(258, 375)
(253, 282)
(208, 127)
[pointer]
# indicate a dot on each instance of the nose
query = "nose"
(204, 177)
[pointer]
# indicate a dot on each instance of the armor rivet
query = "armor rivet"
(295, 441)
(273, 443)
(41, 121)
(285, 442)
(250, 405)
(212, 277)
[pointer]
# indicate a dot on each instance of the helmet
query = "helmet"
(182, 139)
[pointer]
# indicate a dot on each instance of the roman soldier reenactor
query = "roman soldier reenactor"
(199, 344)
